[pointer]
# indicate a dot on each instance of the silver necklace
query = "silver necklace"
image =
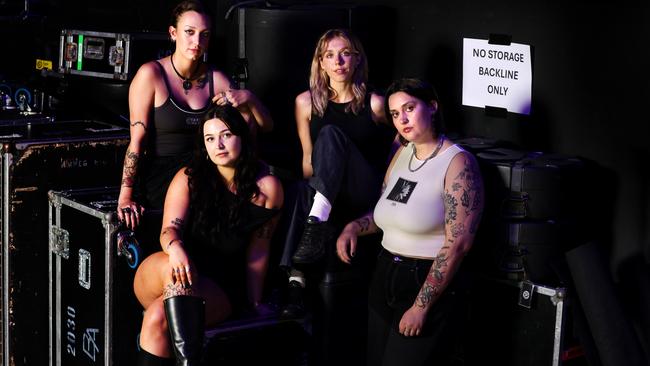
(441, 139)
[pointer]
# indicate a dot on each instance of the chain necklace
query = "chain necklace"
(187, 82)
(441, 139)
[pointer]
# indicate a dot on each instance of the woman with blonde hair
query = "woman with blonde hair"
(346, 140)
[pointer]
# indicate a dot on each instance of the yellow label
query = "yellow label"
(43, 64)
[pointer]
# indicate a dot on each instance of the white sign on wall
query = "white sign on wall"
(497, 75)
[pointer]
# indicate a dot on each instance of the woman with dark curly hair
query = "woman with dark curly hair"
(220, 213)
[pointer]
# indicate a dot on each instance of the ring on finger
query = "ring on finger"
(187, 269)
(126, 209)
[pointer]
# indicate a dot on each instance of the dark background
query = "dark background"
(590, 89)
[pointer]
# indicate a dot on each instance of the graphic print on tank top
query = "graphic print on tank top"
(402, 190)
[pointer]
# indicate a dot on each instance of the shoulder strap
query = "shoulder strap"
(211, 82)
(164, 75)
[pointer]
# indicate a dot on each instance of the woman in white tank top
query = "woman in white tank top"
(429, 211)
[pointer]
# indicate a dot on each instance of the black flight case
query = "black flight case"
(94, 315)
(37, 157)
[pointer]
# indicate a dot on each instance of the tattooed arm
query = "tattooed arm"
(271, 196)
(141, 101)
(346, 244)
(177, 204)
(463, 201)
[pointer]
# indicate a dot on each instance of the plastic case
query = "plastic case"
(34, 159)
(518, 323)
(89, 286)
(109, 55)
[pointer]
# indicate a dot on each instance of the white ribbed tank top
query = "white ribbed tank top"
(411, 210)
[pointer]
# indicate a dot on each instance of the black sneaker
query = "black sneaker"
(295, 307)
(313, 240)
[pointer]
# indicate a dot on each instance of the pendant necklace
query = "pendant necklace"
(187, 82)
(441, 139)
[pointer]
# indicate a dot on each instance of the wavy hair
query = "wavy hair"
(210, 209)
(419, 89)
(319, 83)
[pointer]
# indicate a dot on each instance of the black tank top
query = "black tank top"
(372, 139)
(175, 124)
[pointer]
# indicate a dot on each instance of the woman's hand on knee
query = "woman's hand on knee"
(181, 269)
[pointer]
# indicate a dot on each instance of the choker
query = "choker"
(187, 82)
(441, 139)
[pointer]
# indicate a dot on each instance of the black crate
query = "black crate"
(36, 158)
(94, 316)
(519, 324)
(109, 55)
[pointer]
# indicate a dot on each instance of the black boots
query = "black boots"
(147, 359)
(295, 307)
(313, 240)
(186, 323)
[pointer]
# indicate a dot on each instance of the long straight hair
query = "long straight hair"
(211, 210)
(319, 82)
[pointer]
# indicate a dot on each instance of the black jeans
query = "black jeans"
(343, 175)
(394, 287)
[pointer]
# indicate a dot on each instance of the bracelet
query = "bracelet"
(171, 242)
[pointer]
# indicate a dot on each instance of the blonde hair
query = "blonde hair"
(319, 85)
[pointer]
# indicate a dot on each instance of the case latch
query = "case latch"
(60, 242)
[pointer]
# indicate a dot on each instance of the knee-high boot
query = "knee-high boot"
(147, 359)
(186, 323)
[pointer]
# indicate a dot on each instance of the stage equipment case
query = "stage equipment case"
(520, 324)
(94, 316)
(36, 158)
(109, 55)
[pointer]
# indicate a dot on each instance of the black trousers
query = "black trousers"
(394, 287)
(343, 175)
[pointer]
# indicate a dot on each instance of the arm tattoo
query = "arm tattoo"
(450, 207)
(130, 168)
(457, 230)
(433, 284)
(364, 223)
(138, 123)
(470, 199)
(178, 222)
